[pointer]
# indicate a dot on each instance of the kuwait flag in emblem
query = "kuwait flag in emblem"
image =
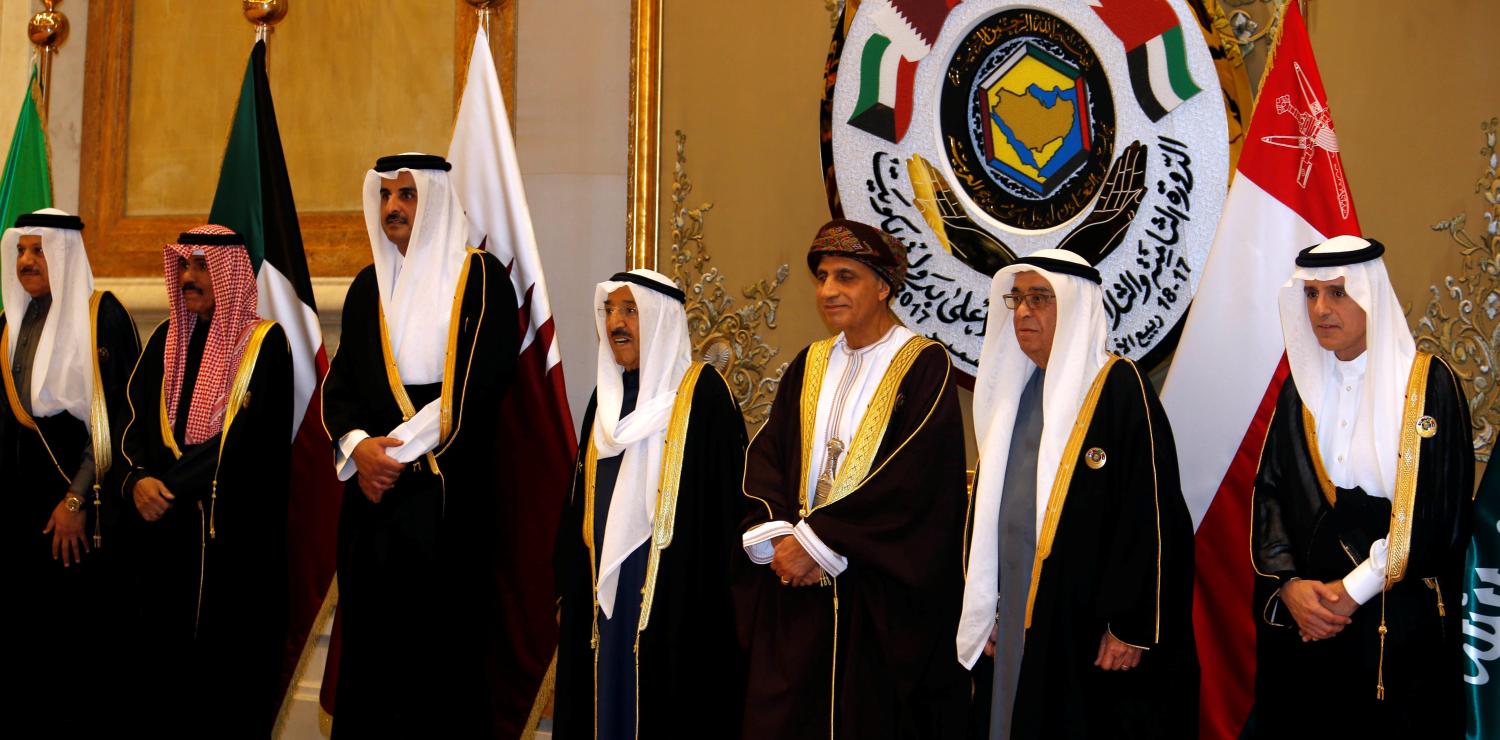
(1230, 362)
(1154, 50)
(888, 63)
(255, 199)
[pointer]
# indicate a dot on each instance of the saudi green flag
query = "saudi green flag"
(1481, 609)
(27, 183)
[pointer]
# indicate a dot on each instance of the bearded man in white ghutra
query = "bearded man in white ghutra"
(411, 403)
(649, 543)
(207, 456)
(66, 352)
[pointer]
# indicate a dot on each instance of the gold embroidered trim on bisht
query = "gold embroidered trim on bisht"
(812, 385)
(1063, 480)
(872, 426)
(1310, 432)
(664, 525)
(99, 407)
(1408, 456)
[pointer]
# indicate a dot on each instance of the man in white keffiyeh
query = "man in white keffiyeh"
(66, 351)
(645, 551)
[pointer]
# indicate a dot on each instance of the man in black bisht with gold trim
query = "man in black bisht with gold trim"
(66, 351)
(206, 462)
(1080, 565)
(1362, 515)
(856, 490)
(411, 401)
(649, 540)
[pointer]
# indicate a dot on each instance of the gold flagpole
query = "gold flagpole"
(47, 30)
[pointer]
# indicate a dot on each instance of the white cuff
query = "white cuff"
(757, 541)
(1368, 578)
(343, 457)
(832, 563)
(420, 434)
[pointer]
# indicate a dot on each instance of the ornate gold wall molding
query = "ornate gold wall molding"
(726, 336)
(1462, 320)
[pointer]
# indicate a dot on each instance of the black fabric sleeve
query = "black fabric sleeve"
(341, 397)
(773, 461)
(1443, 510)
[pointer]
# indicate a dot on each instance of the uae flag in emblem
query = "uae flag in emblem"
(1154, 51)
(1287, 193)
(254, 198)
(888, 62)
(536, 445)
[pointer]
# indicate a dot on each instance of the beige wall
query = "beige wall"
(572, 78)
(1408, 84)
(396, 53)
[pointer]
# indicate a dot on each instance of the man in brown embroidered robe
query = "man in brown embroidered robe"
(1362, 515)
(66, 352)
(856, 490)
(1079, 577)
(411, 401)
(649, 542)
(206, 458)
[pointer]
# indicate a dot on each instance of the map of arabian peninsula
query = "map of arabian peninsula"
(1035, 122)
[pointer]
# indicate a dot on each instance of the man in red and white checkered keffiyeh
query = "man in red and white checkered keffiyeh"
(227, 299)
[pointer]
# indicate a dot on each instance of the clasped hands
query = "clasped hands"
(378, 471)
(792, 563)
(1321, 609)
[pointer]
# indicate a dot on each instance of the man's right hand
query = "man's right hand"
(1309, 603)
(152, 498)
(377, 470)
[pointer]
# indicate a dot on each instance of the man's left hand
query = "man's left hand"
(794, 565)
(1115, 655)
(66, 528)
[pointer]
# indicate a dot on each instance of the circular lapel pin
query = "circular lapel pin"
(1426, 427)
(1095, 458)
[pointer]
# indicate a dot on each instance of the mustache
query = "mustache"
(620, 333)
(191, 286)
(396, 218)
(30, 271)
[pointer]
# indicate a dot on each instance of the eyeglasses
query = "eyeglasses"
(1033, 301)
(629, 312)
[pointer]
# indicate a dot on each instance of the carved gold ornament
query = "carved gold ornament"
(1462, 319)
(725, 336)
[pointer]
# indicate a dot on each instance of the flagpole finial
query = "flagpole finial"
(482, 9)
(47, 30)
(264, 14)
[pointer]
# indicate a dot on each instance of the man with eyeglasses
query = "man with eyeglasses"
(648, 545)
(856, 501)
(1077, 610)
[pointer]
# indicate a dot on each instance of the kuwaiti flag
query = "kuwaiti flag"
(1229, 365)
(254, 198)
(888, 62)
(1154, 52)
(536, 445)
